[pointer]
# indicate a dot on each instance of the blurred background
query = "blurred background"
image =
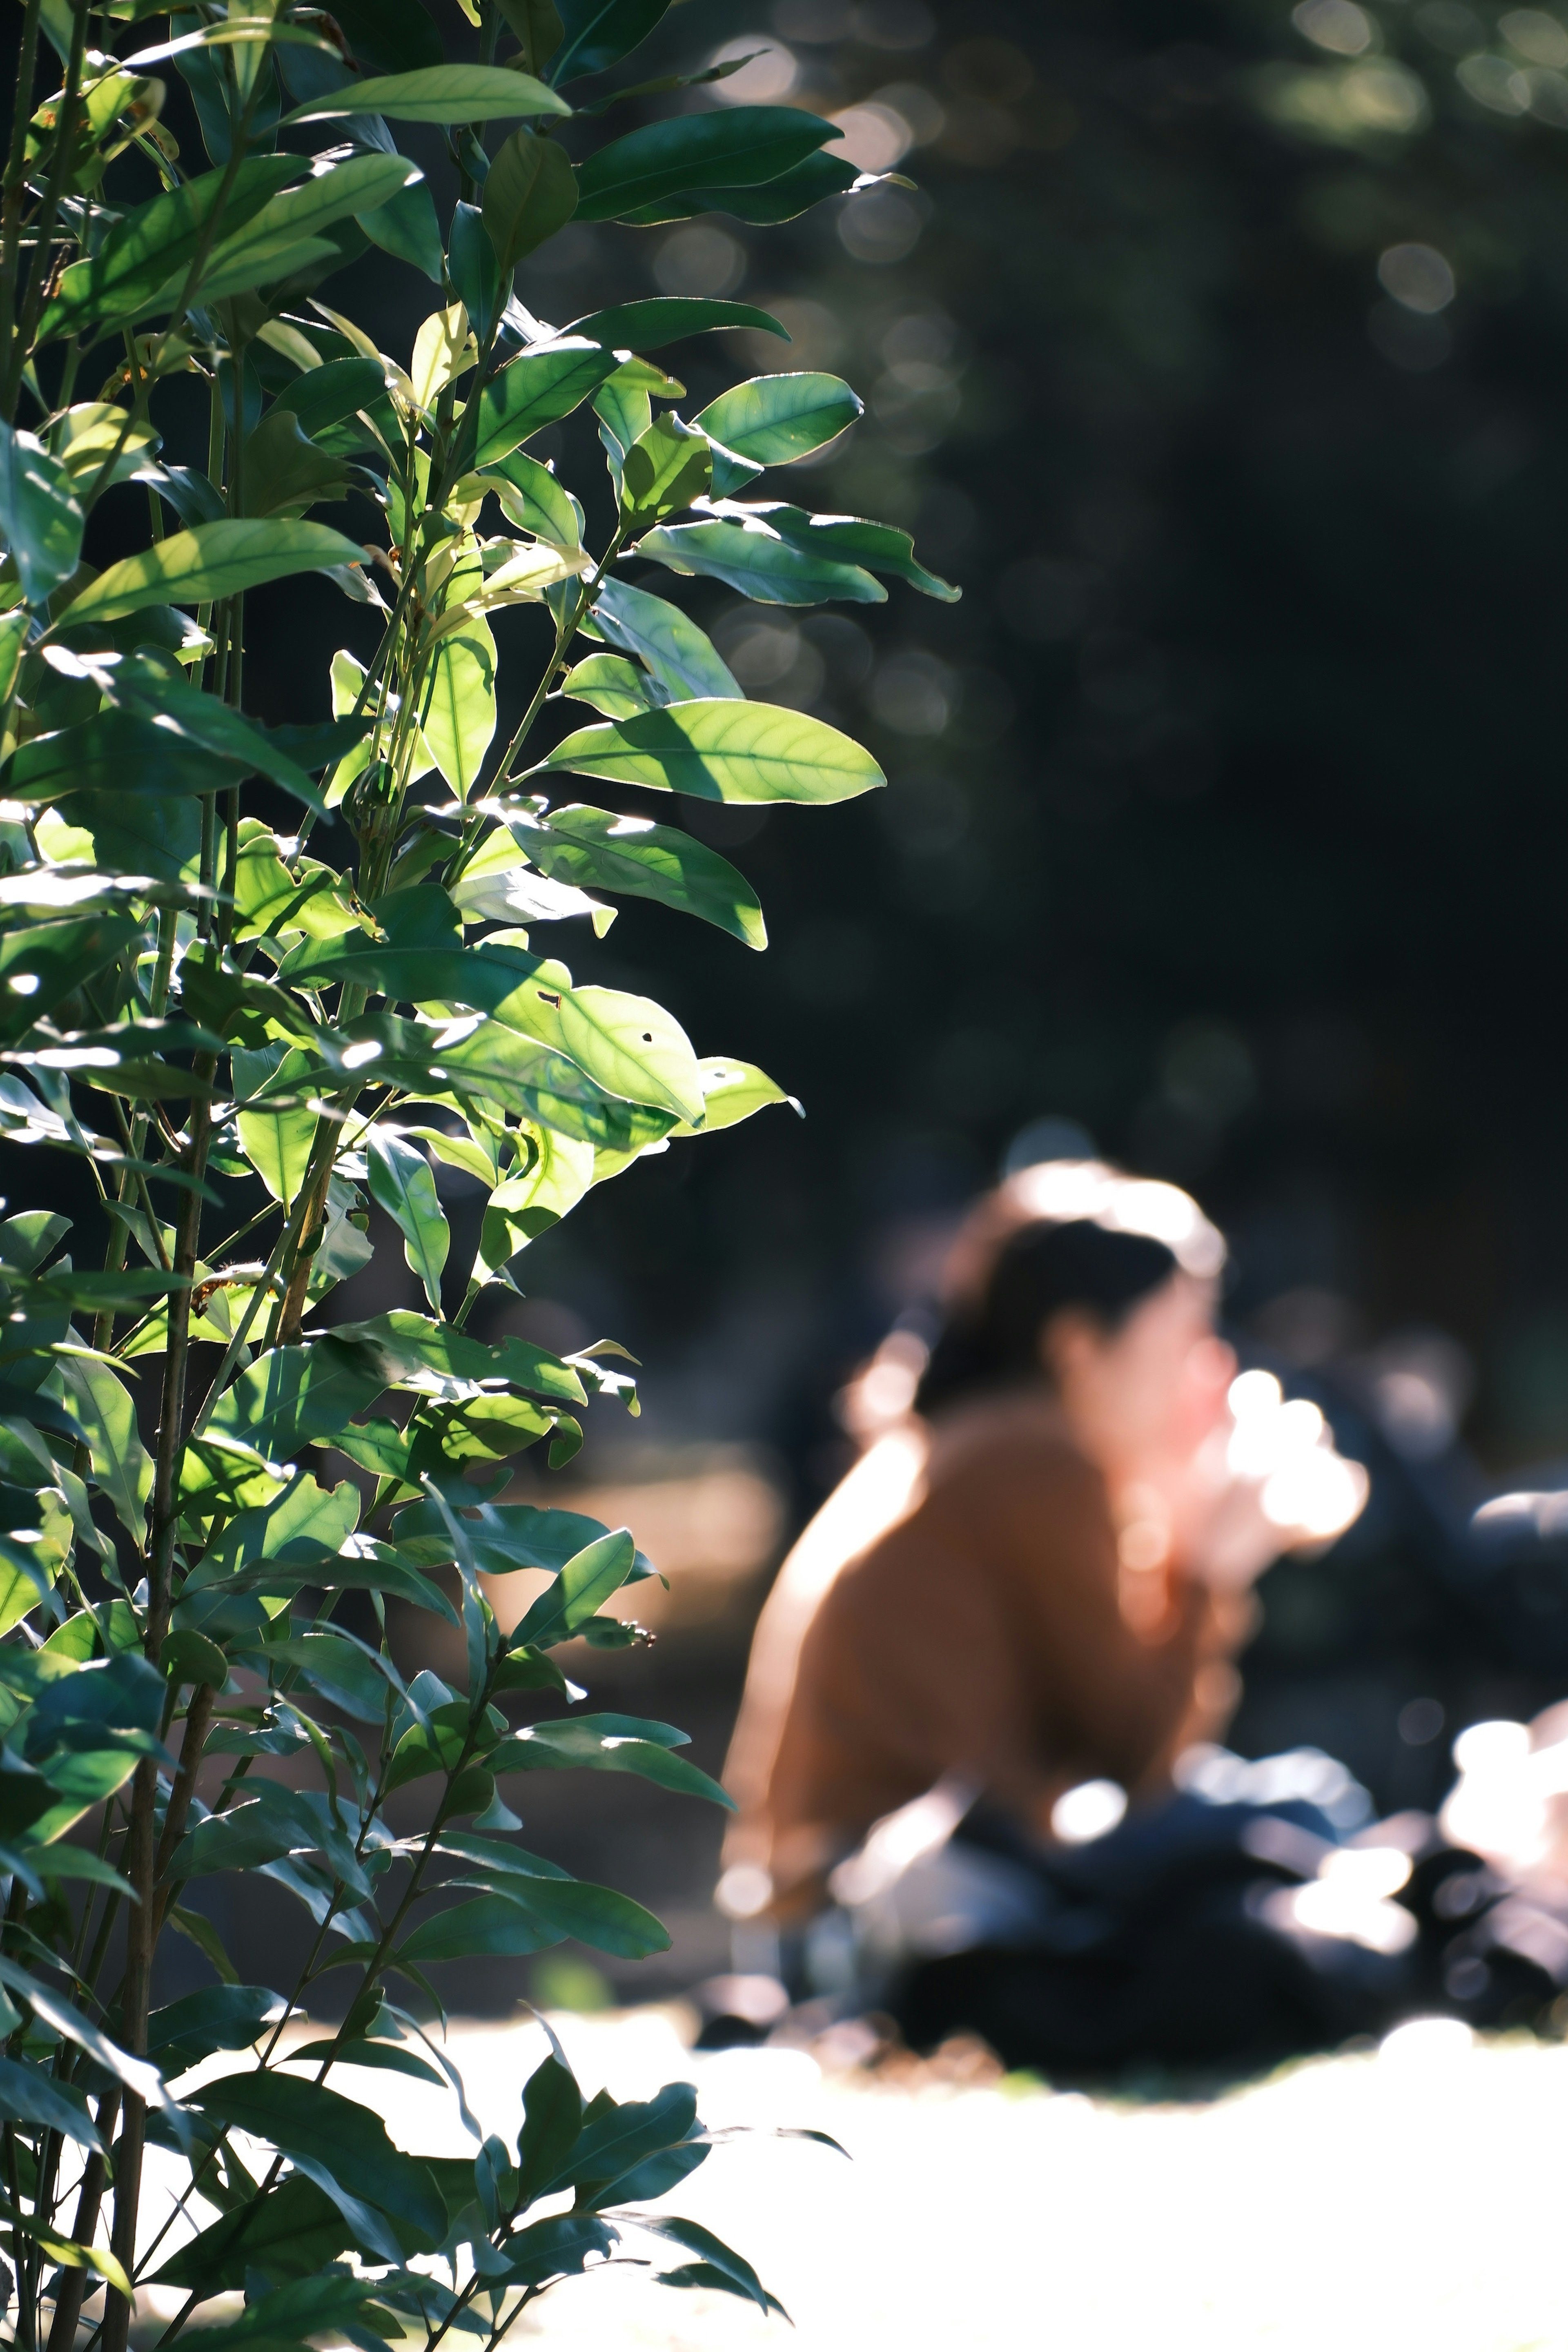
(1217, 352)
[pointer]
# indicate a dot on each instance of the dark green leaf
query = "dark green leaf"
(308, 2121)
(391, 36)
(553, 2118)
(600, 33)
(530, 192)
(714, 2255)
(40, 520)
(661, 319)
(294, 2231)
(741, 147)
(781, 199)
(474, 271)
(623, 2134)
(219, 2016)
(558, 2248)
(30, 2096)
(580, 1590)
(47, 962)
(444, 93)
(851, 538)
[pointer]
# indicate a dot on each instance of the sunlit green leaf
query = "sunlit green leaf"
(604, 852)
(216, 559)
(774, 419)
(459, 718)
(534, 389)
(756, 561)
(721, 751)
(148, 252)
(660, 318)
(401, 1182)
(683, 660)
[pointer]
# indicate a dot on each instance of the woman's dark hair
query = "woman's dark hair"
(1009, 1278)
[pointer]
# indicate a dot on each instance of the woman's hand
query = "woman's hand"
(1266, 1479)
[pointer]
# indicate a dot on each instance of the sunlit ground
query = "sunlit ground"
(1410, 2198)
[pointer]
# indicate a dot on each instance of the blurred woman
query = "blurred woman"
(1013, 1617)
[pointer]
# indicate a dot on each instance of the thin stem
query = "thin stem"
(13, 201)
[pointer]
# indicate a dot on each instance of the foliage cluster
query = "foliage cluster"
(243, 1040)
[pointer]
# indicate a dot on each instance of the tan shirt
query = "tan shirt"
(954, 1609)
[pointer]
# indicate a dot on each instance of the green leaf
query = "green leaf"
(401, 1182)
(734, 2271)
(427, 1356)
(600, 33)
(667, 466)
(619, 2136)
(276, 1142)
(627, 1044)
(358, 184)
(721, 751)
(528, 1205)
(444, 93)
(851, 538)
(118, 751)
(146, 255)
(216, 559)
(405, 227)
(310, 2123)
(756, 561)
(29, 2096)
(579, 1593)
(544, 1911)
(740, 147)
(46, 963)
(116, 834)
(296, 1530)
(774, 419)
(614, 688)
(735, 1090)
(605, 1743)
(294, 2231)
(490, 1927)
(218, 2017)
(675, 649)
(536, 389)
(553, 2121)
(326, 395)
(330, 2304)
(558, 2248)
(291, 1396)
(530, 192)
(624, 410)
(459, 719)
(661, 319)
(285, 472)
(600, 851)
(781, 199)
(121, 1464)
(504, 1537)
(40, 520)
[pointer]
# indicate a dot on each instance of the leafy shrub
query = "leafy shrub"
(242, 1040)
